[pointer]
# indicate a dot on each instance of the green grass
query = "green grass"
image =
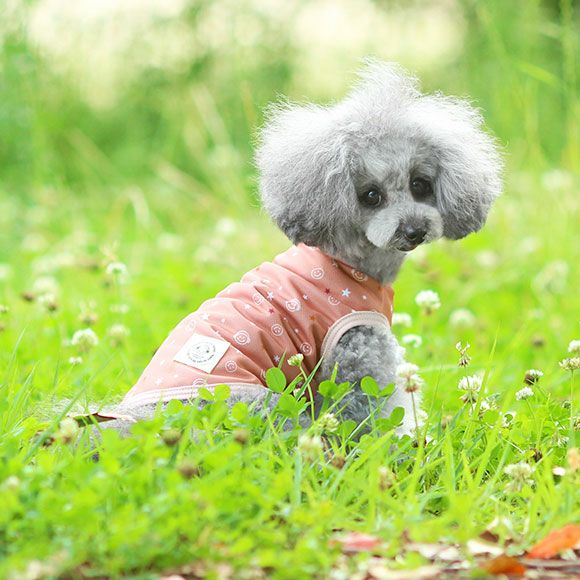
(163, 182)
(265, 503)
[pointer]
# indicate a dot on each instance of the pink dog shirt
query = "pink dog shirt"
(302, 302)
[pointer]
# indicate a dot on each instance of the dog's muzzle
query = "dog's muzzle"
(408, 236)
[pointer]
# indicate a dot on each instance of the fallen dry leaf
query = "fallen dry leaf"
(556, 541)
(355, 542)
(504, 565)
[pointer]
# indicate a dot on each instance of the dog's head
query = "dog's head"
(387, 168)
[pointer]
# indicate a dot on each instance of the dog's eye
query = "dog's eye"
(421, 188)
(371, 197)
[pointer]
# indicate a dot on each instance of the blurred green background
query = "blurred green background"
(127, 131)
(133, 90)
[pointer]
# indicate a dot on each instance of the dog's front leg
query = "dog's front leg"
(371, 351)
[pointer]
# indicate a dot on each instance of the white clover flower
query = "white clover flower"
(529, 245)
(520, 474)
(119, 308)
(484, 406)
(532, 376)
(386, 478)
(5, 271)
(487, 259)
(570, 364)
(462, 318)
(34, 243)
(402, 319)
(45, 285)
(574, 347)
(413, 340)
(524, 393)
(226, 227)
(406, 369)
(561, 440)
(85, 339)
(296, 360)
(11, 482)
(118, 333)
(557, 180)
(68, 430)
(471, 383)
(207, 253)
(48, 301)
(428, 301)
(88, 317)
(117, 270)
(508, 419)
(552, 278)
(52, 262)
(408, 373)
(4, 309)
(310, 445)
(169, 242)
(328, 422)
(75, 360)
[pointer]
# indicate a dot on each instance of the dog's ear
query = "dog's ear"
(469, 162)
(304, 166)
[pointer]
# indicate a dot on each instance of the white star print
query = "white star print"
(305, 296)
(270, 296)
(246, 306)
(205, 316)
(277, 359)
(346, 292)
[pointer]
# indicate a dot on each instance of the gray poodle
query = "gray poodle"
(355, 186)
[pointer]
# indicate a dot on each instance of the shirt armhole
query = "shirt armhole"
(344, 324)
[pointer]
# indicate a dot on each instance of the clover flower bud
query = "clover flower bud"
(386, 478)
(401, 319)
(118, 333)
(574, 347)
(428, 301)
(570, 364)
(296, 360)
(520, 473)
(532, 376)
(464, 358)
(85, 339)
(328, 422)
(310, 445)
(524, 393)
(68, 430)
(408, 373)
(462, 318)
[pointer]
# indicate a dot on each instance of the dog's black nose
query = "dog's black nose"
(414, 234)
